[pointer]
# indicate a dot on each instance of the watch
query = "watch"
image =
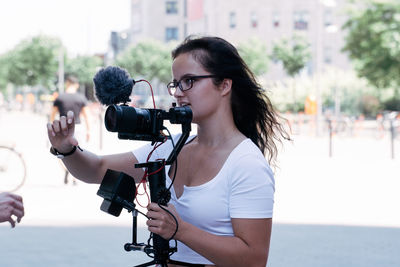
(60, 155)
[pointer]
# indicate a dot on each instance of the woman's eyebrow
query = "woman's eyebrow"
(187, 75)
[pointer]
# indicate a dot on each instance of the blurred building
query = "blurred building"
(319, 21)
(118, 42)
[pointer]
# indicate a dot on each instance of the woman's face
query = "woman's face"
(204, 96)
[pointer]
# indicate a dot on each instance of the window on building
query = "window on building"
(300, 20)
(275, 20)
(185, 8)
(327, 55)
(253, 19)
(171, 7)
(185, 30)
(328, 17)
(232, 19)
(171, 33)
(309, 68)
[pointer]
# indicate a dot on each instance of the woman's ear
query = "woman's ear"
(226, 87)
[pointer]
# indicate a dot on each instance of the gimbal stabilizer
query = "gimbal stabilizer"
(114, 85)
(118, 189)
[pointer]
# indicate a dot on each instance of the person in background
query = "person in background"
(222, 192)
(11, 206)
(76, 102)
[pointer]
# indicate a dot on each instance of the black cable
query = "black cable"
(176, 245)
(148, 243)
(142, 213)
(169, 188)
(173, 217)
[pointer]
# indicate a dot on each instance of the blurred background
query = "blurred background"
(316, 58)
(331, 68)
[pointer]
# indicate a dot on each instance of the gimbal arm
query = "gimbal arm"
(179, 145)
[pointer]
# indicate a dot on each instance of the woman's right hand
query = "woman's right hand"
(11, 205)
(61, 133)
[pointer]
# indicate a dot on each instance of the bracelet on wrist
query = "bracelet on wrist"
(61, 155)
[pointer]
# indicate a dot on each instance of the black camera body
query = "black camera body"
(143, 124)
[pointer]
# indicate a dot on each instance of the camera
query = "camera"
(143, 124)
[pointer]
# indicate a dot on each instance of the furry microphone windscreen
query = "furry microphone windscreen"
(113, 85)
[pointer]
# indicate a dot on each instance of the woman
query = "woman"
(222, 195)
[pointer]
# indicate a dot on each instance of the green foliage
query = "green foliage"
(83, 67)
(392, 104)
(34, 61)
(3, 72)
(373, 42)
(254, 53)
(147, 59)
(294, 54)
(356, 96)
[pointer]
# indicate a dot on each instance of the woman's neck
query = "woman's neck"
(217, 131)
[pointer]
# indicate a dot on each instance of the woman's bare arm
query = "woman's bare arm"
(84, 165)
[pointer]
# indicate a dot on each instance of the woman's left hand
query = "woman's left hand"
(160, 221)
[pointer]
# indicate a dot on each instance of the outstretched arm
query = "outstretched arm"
(84, 165)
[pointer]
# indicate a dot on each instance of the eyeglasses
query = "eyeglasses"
(185, 83)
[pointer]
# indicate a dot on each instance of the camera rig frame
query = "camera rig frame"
(116, 188)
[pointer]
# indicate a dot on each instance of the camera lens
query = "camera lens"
(111, 118)
(125, 119)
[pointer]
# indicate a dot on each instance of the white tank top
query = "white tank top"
(243, 188)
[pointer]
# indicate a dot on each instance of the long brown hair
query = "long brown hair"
(253, 112)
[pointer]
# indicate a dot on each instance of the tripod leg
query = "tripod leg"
(134, 226)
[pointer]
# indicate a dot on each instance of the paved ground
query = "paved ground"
(292, 245)
(338, 211)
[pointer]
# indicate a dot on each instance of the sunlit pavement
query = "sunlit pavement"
(329, 211)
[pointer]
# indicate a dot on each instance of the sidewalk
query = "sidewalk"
(291, 246)
(339, 211)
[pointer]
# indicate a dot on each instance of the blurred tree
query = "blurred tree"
(3, 73)
(294, 54)
(254, 53)
(351, 90)
(84, 68)
(34, 61)
(150, 60)
(369, 105)
(373, 42)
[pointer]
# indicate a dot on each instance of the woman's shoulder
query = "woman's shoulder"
(247, 148)
(248, 157)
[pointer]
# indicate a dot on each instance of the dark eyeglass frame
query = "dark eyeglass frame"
(192, 79)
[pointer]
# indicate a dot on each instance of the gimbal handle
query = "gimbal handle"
(159, 194)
